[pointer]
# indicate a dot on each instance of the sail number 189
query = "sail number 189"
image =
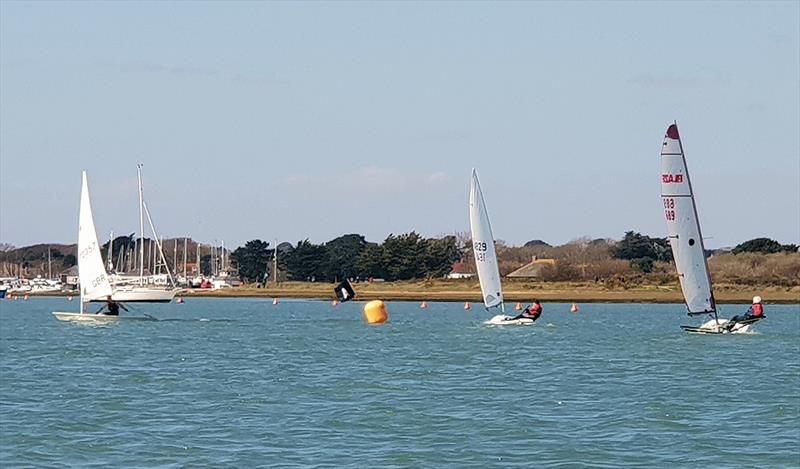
(669, 208)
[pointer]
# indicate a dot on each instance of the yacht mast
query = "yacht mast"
(110, 253)
(141, 227)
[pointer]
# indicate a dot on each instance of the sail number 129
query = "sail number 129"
(669, 208)
(480, 250)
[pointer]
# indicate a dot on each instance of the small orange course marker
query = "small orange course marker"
(25, 297)
(467, 306)
(275, 301)
(335, 303)
(179, 300)
(574, 308)
(69, 298)
(423, 305)
(518, 307)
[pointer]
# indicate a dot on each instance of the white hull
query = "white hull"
(98, 318)
(718, 326)
(141, 295)
(506, 320)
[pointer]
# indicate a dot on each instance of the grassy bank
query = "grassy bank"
(463, 290)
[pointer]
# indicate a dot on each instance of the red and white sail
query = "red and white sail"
(483, 246)
(683, 227)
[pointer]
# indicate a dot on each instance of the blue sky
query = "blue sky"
(291, 120)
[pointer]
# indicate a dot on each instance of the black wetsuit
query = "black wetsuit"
(113, 309)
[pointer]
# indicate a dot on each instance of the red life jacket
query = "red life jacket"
(758, 310)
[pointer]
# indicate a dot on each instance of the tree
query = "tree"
(764, 245)
(343, 253)
(205, 265)
(637, 246)
(534, 243)
(642, 250)
(252, 260)
(69, 260)
(403, 255)
(370, 261)
(440, 254)
(306, 261)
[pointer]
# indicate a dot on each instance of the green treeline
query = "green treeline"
(400, 257)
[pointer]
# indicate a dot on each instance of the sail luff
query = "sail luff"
(683, 226)
(91, 271)
(483, 246)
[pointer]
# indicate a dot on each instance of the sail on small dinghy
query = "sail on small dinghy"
(485, 255)
(344, 291)
(686, 239)
(92, 275)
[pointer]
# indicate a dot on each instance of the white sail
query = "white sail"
(91, 272)
(683, 227)
(483, 246)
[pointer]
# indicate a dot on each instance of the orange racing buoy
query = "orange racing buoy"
(69, 298)
(275, 301)
(423, 305)
(375, 312)
(179, 300)
(518, 307)
(25, 297)
(335, 303)
(467, 306)
(574, 308)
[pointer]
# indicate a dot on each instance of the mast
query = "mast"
(198, 259)
(275, 263)
(49, 265)
(110, 253)
(184, 259)
(160, 252)
(141, 226)
(175, 255)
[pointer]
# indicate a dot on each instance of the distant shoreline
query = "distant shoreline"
(469, 291)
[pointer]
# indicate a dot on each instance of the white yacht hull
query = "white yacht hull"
(506, 320)
(141, 295)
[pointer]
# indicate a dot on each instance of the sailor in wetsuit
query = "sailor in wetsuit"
(531, 312)
(112, 307)
(754, 312)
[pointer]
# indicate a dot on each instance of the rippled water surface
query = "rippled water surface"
(240, 382)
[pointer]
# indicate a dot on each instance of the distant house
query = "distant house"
(533, 269)
(69, 277)
(460, 270)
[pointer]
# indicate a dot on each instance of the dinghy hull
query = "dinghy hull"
(506, 320)
(719, 326)
(98, 318)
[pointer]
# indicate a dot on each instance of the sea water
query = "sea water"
(243, 382)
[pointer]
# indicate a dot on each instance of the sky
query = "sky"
(294, 120)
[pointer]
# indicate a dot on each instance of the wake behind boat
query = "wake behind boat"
(686, 241)
(91, 272)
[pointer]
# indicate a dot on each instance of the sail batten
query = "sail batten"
(483, 246)
(683, 226)
(91, 271)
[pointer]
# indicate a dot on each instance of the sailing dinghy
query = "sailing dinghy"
(486, 258)
(91, 272)
(686, 240)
